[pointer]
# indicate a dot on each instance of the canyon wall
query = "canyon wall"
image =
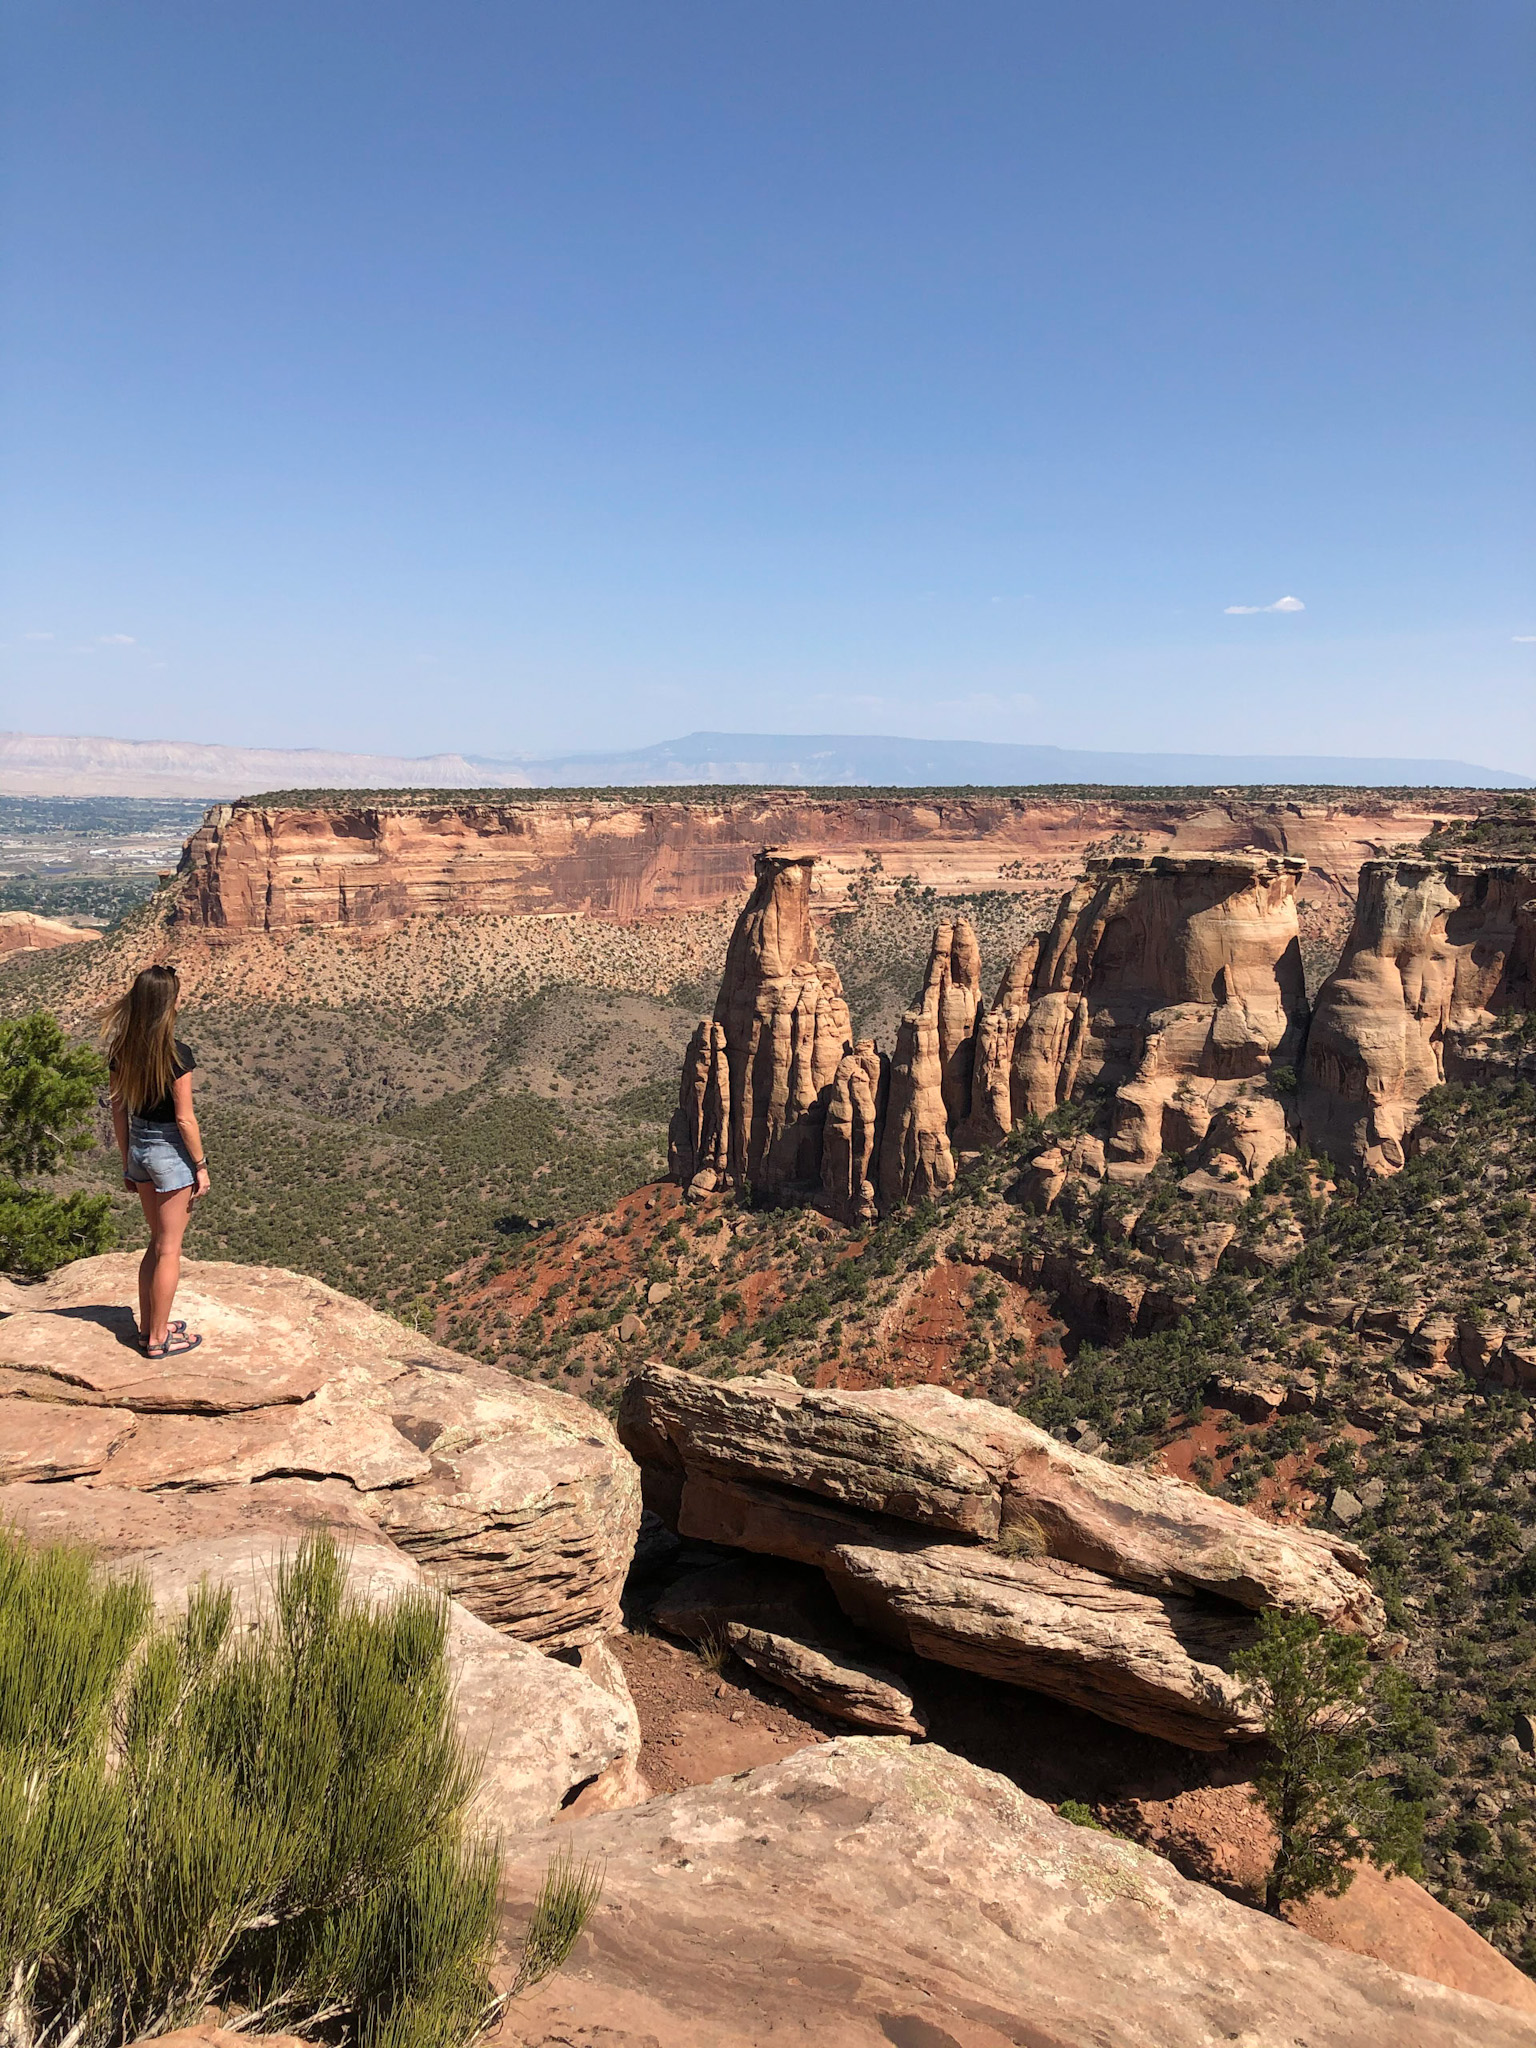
(1171, 985)
(256, 868)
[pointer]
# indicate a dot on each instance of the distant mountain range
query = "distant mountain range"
(42, 766)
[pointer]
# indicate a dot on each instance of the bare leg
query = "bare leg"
(170, 1223)
(149, 1201)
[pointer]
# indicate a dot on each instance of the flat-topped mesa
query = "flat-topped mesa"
(1176, 984)
(1438, 951)
(758, 1074)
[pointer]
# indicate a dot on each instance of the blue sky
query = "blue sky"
(517, 378)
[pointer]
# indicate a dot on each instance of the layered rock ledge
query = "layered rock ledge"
(304, 1409)
(956, 1530)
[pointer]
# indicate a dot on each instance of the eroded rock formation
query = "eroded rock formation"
(517, 1500)
(1437, 951)
(758, 1073)
(1175, 983)
(930, 1086)
(955, 1530)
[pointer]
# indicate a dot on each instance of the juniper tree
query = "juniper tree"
(1320, 1780)
(48, 1091)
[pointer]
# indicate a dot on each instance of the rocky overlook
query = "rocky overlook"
(307, 1411)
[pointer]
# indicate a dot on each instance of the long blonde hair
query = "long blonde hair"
(139, 1033)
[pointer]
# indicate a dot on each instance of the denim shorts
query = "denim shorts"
(158, 1153)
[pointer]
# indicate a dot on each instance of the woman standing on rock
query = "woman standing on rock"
(160, 1143)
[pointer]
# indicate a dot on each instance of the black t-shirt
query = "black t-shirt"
(164, 1111)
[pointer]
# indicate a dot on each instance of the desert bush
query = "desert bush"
(565, 1903)
(1318, 1780)
(48, 1092)
(265, 1821)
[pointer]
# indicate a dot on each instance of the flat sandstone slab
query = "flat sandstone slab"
(868, 1893)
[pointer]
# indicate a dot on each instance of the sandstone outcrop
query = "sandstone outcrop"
(23, 931)
(1177, 984)
(868, 1893)
(545, 1733)
(515, 1499)
(1438, 949)
(996, 1101)
(782, 1621)
(758, 1074)
(955, 1530)
(1173, 984)
(850, 1139)
(930, 1086)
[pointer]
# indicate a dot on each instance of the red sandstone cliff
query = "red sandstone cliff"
(254, 868)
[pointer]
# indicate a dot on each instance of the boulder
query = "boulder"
(958, 1532)
(1153, 1662)
(837, 1445)
(846, 1687)
(516, 1499)
(1150, 1661)
(869, 1893)
(782, 1621)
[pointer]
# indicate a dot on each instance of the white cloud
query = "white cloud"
(37, 636)
(1281, 604)
(116, 640)
(1524, 639)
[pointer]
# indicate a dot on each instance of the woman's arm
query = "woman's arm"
(120, 1132)
(192, 1137)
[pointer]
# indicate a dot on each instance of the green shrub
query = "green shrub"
(566, 1901)
(48, 1091)
(1318, 1780)
(267, 1821)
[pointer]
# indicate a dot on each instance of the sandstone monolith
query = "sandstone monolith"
(1438, 949)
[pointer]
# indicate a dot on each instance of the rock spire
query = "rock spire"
(758, 1074)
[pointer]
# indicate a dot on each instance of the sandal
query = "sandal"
(178, 1329)
(174, 1345)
